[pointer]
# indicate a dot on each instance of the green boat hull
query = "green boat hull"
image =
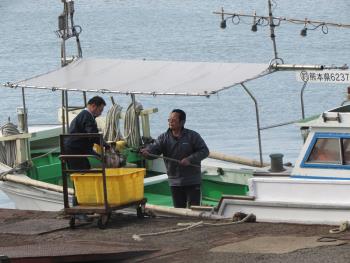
(47, 168)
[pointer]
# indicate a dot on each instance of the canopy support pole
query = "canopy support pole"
(25, 124)
(85, 100)
(63, 112)
(137, 121)
(257, 122)
(302, 100)
(66, 110)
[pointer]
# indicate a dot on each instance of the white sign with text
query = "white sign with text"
(324, 76)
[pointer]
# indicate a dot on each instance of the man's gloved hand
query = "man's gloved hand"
(185, 162)
(144, 152)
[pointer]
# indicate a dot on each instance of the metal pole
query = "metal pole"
(302, 100)
(272, 30)
(63, 116)
(66, 102)
(85, 100)
(64, 174)
(104, 180)
(25, 112)
(136, 118)
(257, 122)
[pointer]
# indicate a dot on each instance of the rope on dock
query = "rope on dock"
(191, 225)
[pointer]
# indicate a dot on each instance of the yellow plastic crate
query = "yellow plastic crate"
(124, 185)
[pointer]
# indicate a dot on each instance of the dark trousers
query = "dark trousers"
(78, 164)
(185, 196)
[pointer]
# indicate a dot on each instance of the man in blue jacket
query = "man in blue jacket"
(189, 149)
(84, 122)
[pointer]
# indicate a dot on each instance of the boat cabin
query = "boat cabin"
(326, 152)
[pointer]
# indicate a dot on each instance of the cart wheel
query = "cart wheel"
(141, 211)
(103, 221)
(72, 222)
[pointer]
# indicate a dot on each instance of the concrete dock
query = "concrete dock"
(33, 236)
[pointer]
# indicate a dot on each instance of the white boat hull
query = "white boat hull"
(32, 198)
(291, 200)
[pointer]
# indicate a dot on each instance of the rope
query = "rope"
(3, 174)
(51, 151)
(190, 225)
(170, 159)
(112, 131)
(8, 148)
(342, 227)
(131, 125)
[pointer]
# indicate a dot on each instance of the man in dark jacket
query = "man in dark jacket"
(189, 149)
(84, 122)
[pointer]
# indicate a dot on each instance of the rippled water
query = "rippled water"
(184, 30)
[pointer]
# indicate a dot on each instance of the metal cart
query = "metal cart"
(102, 212)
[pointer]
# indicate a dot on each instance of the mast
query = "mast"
(272, 31)
(67, 30)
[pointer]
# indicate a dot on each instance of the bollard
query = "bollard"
(276, 163)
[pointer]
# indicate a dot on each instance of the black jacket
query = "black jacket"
(84, 122)
(189, 145)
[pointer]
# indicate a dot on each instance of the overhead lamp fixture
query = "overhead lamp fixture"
(223, 24)
(255, 24)
(303, 32)
(254, 27)
(223, 20)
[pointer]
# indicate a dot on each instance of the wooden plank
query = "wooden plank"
(15, 137)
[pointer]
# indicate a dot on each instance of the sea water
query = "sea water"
(189, 31)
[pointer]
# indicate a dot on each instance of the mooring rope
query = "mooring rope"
(112, 131)
(8, 148)
(190, 225)
(131, 125)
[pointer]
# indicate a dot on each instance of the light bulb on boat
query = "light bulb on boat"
(254, 27)
(303, 32)
(223, 24)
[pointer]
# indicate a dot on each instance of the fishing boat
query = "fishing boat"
(30, 166)
(317, 191)
(31, 173)
(37, 148)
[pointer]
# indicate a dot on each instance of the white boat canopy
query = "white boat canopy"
(146, 77)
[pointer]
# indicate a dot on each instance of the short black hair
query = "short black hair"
(97, 100)
(181, 113)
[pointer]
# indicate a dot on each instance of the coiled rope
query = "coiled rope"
(8, 148)
(112, 131)
(131, 125)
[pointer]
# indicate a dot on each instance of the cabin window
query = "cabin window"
(346, 147)
(327, 150)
